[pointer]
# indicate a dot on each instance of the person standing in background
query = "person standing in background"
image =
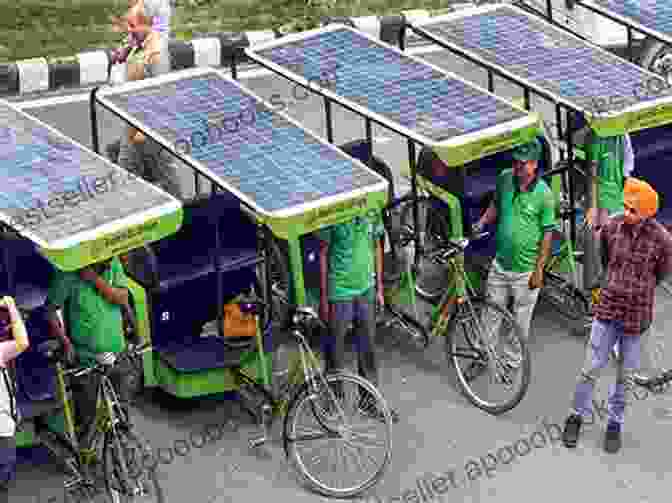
(13, 342)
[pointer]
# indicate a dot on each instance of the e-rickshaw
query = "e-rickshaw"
(270, 180)
(61, 210)
(522, 48)
(466, 134)
(605, 97)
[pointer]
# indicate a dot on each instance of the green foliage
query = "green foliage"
(41, 28)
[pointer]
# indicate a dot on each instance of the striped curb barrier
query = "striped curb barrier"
(93, 67)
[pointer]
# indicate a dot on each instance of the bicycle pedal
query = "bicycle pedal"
(254, 443)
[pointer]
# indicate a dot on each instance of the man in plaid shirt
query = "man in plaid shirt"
(637, 253)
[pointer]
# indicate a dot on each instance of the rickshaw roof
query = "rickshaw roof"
(406, 94)
(553, 61)
(59, 194)
(652, 17)
(263, 157)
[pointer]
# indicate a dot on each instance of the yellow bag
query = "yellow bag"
(238, 324)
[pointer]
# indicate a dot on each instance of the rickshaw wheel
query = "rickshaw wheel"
(434, 230)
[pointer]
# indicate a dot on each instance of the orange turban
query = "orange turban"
(641, 196)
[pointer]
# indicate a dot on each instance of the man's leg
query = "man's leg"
(365, 336)
(524, 302)
(602, 337)
(619, 395)
(333, 342)
(85, 395)
(499, 291)
(7, 461)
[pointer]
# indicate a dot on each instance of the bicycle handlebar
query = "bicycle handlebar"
(452, 247)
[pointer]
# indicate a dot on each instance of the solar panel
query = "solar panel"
(263, 157)
(549, 59)
(653, 16)
(403, 92)
(60, 194)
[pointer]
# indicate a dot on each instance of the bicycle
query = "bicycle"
(116, 453)
(323, 399)
(459, 312)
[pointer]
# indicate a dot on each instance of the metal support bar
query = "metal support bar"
(234, 65)
(491, 81)
(414, 191)
(570, 166)
(631, 52)
(549, 9)
(526, 97)
(369, 139)
(330, 124)
(218, 272)
(402, 37)
(94, 120)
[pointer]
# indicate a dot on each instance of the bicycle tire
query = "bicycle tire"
(135, 463)
(568, 300)
(464, 386)
(304, 394)
(436, 231)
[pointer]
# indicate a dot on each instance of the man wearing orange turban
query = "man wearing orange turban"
(637, 254)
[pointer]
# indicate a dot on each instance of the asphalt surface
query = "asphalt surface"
(439, 431)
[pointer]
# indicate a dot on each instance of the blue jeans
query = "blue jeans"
(603, 336)
(359, 310)
(7, 461)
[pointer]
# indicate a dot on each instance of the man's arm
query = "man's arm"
(490, 215)
(664, 266)
(18, 328)
(113, 294)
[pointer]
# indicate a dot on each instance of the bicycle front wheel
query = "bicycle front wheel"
(130, 471)
(491, 361)
(339, 438)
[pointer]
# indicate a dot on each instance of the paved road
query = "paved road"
(439, 432)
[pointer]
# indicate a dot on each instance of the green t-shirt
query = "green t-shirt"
(352, 256)
(95, 324)
(609, 154)
(522, 220)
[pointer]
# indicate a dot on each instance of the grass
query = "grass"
(62, 28)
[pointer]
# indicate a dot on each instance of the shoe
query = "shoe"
(570, 435)
(612, 438)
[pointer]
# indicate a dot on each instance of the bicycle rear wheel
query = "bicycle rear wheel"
(348, 418)
(129, 466)
(568, 300)
(434, 230)
(491, 361)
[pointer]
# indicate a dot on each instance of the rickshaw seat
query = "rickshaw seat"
(189, 254)
(35, 376)
(200, 354)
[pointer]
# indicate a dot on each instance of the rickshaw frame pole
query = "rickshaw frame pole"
(570, 167)
(611, 17)
(416, 212)
(369, 139)
(328, 119)
(94, 120)
(491, 81)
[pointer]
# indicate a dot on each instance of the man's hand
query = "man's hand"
(536, 279)
(324, 310)
(590, 217)
(88, 274)
(69, 350)
(138, 138)
(381, 299)
(477, 228)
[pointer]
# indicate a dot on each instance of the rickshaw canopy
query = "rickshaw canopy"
(458, 120)
(76, 206)
(557, 65)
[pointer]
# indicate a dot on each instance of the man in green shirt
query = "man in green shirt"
(348, 254)
(91, 301)
(524, 210)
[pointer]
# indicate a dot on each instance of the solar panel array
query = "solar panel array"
(652, 14)
(406, 92)
(55, 188)
(274, 163)
(546, 56)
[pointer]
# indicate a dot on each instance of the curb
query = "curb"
(93, 67)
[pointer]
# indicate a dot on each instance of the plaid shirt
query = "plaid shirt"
(637, 259)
